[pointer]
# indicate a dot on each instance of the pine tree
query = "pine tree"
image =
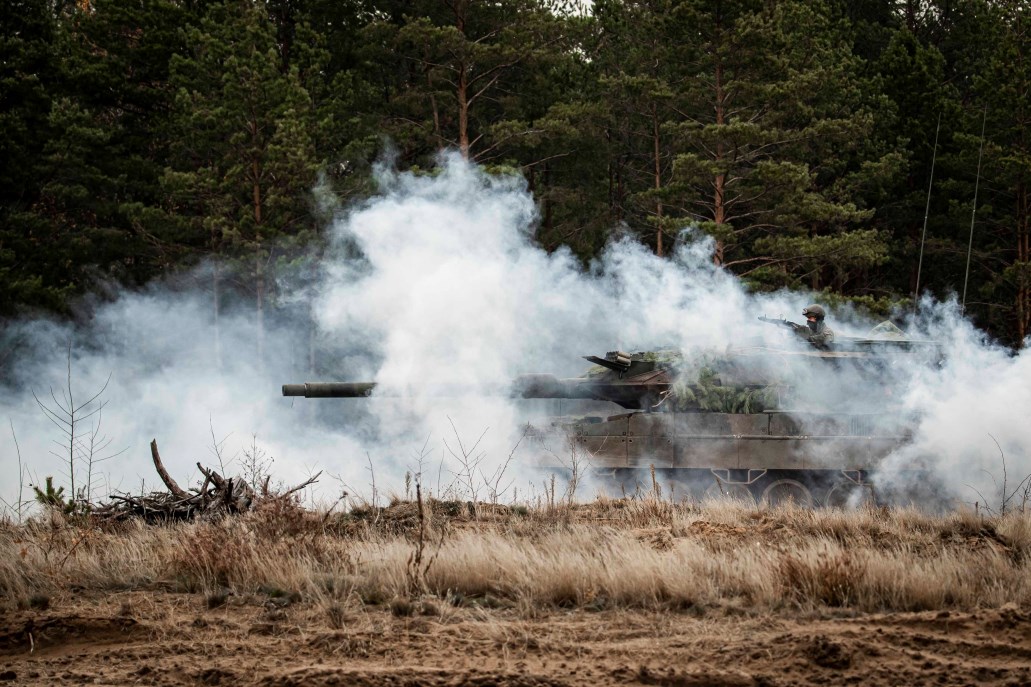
(771, 115)
(28, 72)
(100, 100)
(455, 65)
(245, 161)
(641, 59)
(999, 284)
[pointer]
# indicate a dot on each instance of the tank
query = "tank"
(790, 421)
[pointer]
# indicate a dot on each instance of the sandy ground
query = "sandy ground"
(173, 639)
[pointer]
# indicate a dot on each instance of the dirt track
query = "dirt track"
(173, 639)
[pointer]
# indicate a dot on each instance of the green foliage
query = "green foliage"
(29, 66)
(138, 138)
(50, 497)
(53, 499)
(706, 392)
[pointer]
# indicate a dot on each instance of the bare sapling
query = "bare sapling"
(78, 446)
(418, 565)
(1023, 487)
(468, 463)
(256, 465)
(95, 450)
(575, 462)
(217, 447)
(374, 502)
(19, 501)
(493, 482)
(579, 462)
(1024, 490)
(415, 475)
(1006, 496)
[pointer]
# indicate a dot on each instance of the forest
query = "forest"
(870, 151)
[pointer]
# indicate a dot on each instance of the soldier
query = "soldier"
(818, 332)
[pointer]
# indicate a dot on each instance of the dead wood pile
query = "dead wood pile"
(217, 496)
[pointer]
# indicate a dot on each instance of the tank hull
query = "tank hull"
(812, 458)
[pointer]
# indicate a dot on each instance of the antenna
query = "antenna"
(927, 210)
(973, 211)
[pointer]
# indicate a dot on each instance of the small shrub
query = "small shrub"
(213, 556)
(218, 598)
(274, 592)
(276, 518)
(39, 602)
(372, 596)
(402, 607)
(829, 576)
(337, 616)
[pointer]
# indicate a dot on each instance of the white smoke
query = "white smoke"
(972, 434)
(438, 280)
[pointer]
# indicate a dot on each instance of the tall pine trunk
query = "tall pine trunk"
(216, 304)
(463, 87)
(259, 290)
(719, 211)
(259, 266)
(463, 112)
(1023, 296)
(1023, 300)
(658, 179)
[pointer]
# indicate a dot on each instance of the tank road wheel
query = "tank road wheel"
(784, 491)
(720, 490)
(846, 494)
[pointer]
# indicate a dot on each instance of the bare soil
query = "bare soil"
(171, 639)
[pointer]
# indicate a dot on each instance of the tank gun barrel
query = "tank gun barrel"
(625, 393)
(330, 389)
(550, 386)
(524, 386)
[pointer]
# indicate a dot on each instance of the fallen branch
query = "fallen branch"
(216, 496)
(213, 476)
(162, 473)
(311, 480)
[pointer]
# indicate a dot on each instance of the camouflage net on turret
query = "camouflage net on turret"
(700, 384)
(707, 394)
(700, 387)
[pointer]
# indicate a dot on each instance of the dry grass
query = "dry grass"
(648, 554)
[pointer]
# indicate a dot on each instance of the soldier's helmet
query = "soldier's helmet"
(814, 311)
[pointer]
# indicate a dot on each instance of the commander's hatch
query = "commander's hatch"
(886, 336)
(617, 361)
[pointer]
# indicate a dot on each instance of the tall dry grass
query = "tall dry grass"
(646, 554)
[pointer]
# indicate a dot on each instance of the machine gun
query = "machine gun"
(800, 329)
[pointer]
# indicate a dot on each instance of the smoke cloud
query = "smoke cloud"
(438, 281)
